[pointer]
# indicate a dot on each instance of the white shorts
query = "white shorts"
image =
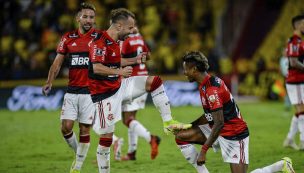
(108, 111)
(136, 104)
(295, 93)
(78, 107)
(235, 151)
(205, 128)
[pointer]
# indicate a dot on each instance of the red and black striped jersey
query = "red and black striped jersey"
(75, 46)
(106, 51)
(215, 96)
(130, 48)
(295, 49)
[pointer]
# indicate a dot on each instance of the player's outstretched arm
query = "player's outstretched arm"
(53, 72)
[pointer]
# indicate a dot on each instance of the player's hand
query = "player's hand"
(46, 89)
(141, 58)
(201, 159)
(126, 71)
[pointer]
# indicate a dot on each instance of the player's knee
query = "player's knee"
(105, 141)
(127, 121)
(180, 142)
(153, 82)
(84, 129)
(182, 136)
(66, 127)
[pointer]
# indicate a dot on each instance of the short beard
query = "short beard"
(85, 30)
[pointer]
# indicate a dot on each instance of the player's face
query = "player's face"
(188, 71)
(126, 27)
(86, 19)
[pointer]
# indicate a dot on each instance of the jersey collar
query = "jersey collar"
(88, 33)
(204, 81)
(109, 37)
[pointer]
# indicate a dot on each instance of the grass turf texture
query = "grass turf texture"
(31, 142)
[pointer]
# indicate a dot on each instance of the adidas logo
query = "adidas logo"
(113, 54)
(235, 156)
(74, 44)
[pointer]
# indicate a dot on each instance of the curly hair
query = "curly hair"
(198, 59)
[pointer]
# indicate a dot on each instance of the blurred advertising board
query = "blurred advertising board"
(29, 97)
(26, 97)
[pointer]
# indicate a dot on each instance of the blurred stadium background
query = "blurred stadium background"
(243, 40)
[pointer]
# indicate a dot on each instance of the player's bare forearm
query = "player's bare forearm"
(295, 63)
(55, 68)
(103, 70)
(218, 118)
(128, 61)
(53, 72)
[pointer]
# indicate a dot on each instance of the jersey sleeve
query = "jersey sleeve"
(97, 52)
(214, 98)
(62, 46)
(293, 49)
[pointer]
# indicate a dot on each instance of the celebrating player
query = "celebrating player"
(77, 104)
(221, 113)
(295, 82)
(132, 47)
(108, 89)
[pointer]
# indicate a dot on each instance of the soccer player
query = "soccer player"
(108, 89)
(295, 82)
(221, 113)
(284, 71)
(77, 104)
(132, 47)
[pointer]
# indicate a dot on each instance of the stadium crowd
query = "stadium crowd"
(29, 37)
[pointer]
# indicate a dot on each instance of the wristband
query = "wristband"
(205, 148)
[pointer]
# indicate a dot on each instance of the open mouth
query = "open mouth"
(87, 26)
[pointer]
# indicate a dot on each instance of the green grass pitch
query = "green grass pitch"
(31, 142)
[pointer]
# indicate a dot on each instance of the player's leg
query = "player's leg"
(107, 113)
(68, 134)
(86, 111)
(236, 153)
(105, 133)
(300, 110)
(136, 129)
(129, 117)
(117, 144)
(238, 168)
(185, 140)
(284, 165)
(293, 94)
(68, 116)
(103, 151)
(83, 146)
(154, 85)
